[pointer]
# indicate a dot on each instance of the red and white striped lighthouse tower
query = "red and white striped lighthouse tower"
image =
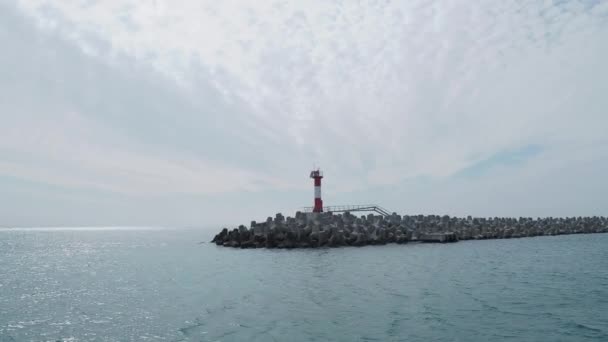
(317, 175)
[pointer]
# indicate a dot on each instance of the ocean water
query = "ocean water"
(147, 285)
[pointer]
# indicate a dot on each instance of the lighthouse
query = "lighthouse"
(317, 175)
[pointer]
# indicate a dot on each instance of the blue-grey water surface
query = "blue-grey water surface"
(136, 285)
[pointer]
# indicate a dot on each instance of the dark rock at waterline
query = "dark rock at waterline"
(438, 237)
(311, 230)
(219, 238)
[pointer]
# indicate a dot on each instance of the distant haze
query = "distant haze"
(199, 113)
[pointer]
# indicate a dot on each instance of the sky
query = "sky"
(204, 113)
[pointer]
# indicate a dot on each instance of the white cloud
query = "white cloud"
(376, 93)
(71, 151)
(79, 123)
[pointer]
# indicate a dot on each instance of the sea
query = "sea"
(160, 284)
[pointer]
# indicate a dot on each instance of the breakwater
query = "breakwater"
(309, 230)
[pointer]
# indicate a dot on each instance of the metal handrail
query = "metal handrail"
(343, 208)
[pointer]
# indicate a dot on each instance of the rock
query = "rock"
(219, 238)
(323, 237)
(326, 229)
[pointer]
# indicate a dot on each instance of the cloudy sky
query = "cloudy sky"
(197, 113)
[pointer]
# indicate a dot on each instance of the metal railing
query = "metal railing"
(344, 208)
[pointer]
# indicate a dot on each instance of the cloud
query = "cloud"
(207, 97)
(117, 128)
(504, 158)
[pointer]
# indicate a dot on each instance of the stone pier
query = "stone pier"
(312, 230)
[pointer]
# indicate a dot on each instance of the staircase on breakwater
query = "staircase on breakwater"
(352, 208)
